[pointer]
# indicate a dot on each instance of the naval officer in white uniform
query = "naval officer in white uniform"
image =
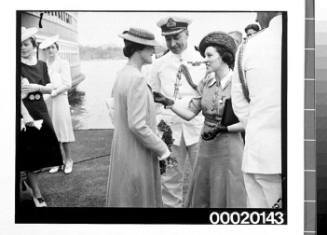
(164, 79)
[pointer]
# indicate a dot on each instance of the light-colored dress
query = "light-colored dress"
(134, 176)
(217, 179)
(58, 107)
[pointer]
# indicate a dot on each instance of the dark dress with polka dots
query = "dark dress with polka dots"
(37, 149)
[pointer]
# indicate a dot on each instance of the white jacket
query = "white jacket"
(262, 116)
(163, 78)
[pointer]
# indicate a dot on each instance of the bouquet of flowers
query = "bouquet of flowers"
(167, 137)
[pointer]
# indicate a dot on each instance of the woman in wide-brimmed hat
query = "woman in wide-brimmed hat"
(134, 176)
(38, 148)
(58, 106)
(217, 181)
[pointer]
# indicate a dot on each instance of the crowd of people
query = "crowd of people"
(221, 100)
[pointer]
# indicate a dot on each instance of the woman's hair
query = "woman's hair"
(223, 43)
(226, 55)
(33, 41)
(131, 47)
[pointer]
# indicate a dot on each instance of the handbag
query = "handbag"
(229, 117)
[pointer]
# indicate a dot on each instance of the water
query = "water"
(89, 110)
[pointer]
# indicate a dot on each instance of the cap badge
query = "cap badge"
(171, 23)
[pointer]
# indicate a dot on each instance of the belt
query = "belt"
(34, 96)
(211, 122)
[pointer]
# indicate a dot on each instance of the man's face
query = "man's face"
(178, 42)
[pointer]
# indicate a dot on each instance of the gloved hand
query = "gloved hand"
(209, 135)
(160, 98)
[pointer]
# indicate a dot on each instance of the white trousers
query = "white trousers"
(263, 190)
(172, 182)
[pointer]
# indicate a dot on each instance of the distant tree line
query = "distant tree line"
(101, 52)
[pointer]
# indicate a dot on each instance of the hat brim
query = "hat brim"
(30, 32)
(172, 32)
(142, 41)
(48, 42)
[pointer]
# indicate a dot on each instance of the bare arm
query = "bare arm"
(47, 89)
(237, 127)
(29, 88)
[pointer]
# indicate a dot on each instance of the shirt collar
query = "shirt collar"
(183, 56)
(224, 82)
(211, 78)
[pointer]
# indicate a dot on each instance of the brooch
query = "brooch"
(37, 96)
(31, 97)
(171, 23)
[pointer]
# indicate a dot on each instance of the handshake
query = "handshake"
(160, 98)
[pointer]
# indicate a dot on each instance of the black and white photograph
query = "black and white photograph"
(160, 118)
(166, 110)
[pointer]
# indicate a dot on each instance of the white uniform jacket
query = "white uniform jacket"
(163, 78)
(261, 64)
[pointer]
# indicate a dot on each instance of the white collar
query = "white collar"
(184, 55)
(224, 82)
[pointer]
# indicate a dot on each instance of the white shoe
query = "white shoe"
(39, 202)
(54, 169)
(68, 167)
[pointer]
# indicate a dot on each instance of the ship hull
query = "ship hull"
(65, 25)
